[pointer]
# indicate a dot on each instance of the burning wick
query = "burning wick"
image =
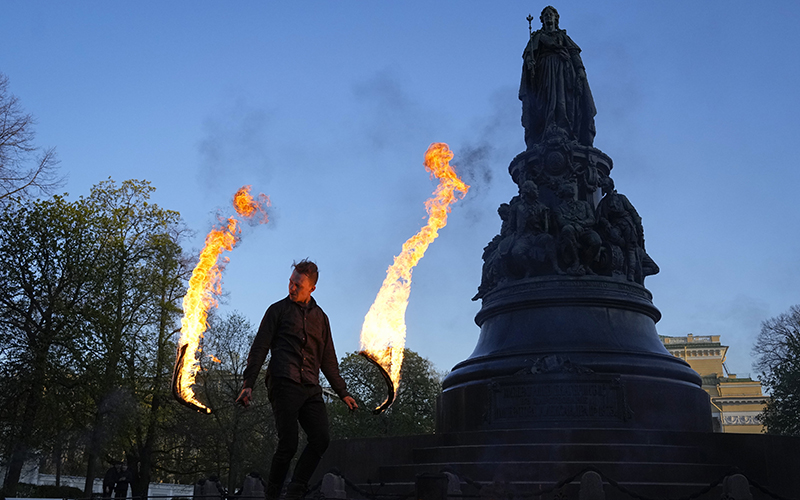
(389, 385)
(383, 334)
(204, 287)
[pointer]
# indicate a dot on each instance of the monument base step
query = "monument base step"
(652, 464)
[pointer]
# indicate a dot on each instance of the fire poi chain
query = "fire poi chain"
(383, 334)
(204, 287)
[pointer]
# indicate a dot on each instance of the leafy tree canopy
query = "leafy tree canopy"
(414, 408)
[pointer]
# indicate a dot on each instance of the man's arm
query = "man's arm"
(329, 364)
(258, 353)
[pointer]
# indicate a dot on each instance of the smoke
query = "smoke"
(234, 142)
(494, 139)
(390, 113)
(113, 411)
(383, 89)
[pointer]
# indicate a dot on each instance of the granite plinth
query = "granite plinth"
(571, 352)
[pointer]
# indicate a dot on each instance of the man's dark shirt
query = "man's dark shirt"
(110, 479)
(299, 337)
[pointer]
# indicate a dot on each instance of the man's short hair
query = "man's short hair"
(308, 268)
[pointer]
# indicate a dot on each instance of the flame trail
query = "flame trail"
(204, 287)
(383, 333)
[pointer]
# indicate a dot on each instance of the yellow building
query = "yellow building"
(735, 402)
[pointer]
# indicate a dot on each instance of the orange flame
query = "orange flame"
(383, 333)
(248, 207)
(204, 287)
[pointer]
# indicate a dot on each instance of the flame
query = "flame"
(204, 287)
(383, 333)
(248, 207)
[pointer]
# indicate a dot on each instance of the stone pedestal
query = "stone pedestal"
(571, 352)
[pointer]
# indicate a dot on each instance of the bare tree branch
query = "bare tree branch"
(25, 169)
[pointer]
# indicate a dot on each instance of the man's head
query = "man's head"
(303, 281)
(549, 18)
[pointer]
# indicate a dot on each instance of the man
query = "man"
(124, 478)
(298, 333)
(110, 479)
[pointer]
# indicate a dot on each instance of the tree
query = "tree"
(24, 168)
(128, 319)
(47, 251)
(87, 318)
(245, 438)
(149, 365)
(231, 441)
(414, 408)
(778, 359)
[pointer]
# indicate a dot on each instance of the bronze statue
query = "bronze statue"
(493, 269)
(554, 90)
(578, 243)
(558, 224)
(533, 250)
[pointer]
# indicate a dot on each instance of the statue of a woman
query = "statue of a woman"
(554, 90)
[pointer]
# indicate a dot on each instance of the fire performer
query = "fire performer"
(298, 333)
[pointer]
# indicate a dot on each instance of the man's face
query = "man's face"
(300, 288)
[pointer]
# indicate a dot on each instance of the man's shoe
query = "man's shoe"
(272, 492)
(296, 491)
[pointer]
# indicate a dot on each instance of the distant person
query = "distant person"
(213, 489)
(197, 494)
(124, 478)
(110, 479)
(298, 334)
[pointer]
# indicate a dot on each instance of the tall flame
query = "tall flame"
(383, 333)
(204, 287)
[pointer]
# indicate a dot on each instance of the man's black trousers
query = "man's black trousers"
(294, 403)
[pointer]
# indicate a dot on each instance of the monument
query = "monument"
(568, 335)
(569, 392)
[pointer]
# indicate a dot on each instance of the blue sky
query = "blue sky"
(328, 108)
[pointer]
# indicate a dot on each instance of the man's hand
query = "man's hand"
(350, 402)
(245, 397)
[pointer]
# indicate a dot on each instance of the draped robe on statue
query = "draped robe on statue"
(554, 90)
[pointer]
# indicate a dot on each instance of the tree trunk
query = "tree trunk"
(20, 445)
(91, 472)
(141, 482)
(57, 462)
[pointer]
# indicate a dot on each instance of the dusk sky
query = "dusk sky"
(328, 108)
